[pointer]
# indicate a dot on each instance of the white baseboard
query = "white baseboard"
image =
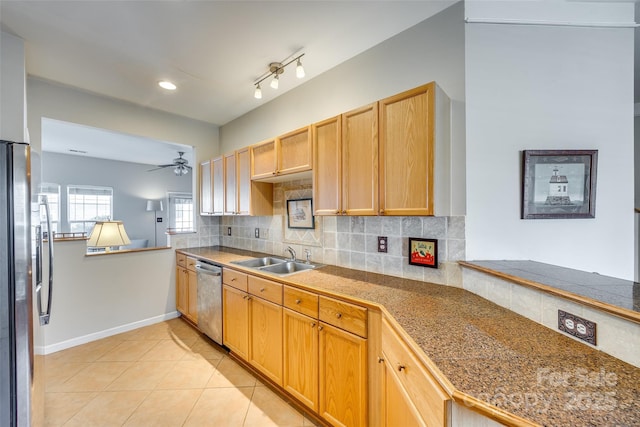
(52, 348)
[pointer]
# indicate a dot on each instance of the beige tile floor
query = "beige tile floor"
(165, 374)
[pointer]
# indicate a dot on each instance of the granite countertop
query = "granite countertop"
(484, 350)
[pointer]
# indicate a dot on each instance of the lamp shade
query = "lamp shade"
(108, 233)
(154, 205)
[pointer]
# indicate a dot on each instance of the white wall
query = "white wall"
(550, 87)
(431, 50)
(102, 295)
(132, 187)
(12, 88)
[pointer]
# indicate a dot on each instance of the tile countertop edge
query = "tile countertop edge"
(458, 396)
(608, 308)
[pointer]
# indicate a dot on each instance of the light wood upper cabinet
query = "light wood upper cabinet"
(327, 169)
(264, 160)
(241, 195)
(360, 161)
(217, 174)
(230, 184)
(206, 190)
(407, 152)
(274, 160)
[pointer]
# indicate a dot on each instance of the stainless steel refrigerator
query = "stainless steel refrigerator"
(25, 301)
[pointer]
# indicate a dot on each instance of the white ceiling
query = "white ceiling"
(213, 50)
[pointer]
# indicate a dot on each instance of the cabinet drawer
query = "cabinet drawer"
(181, 260)
(263, 288)
(235, 279)
(424, 391)
(191, 263)
(344, 315)
(301, 301)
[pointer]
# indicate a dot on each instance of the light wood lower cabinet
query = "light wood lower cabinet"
(409, 383)
(343, 373)
(398, 408)
(300, 345)
(265, 337)
(235, 320)
(187, 287)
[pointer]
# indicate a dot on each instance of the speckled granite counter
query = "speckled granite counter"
(486, 351)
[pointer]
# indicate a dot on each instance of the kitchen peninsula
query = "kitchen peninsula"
(486, 358)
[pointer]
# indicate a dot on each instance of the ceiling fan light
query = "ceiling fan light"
(274, 82)
(299, 69)
(181, 170)
(257, 94)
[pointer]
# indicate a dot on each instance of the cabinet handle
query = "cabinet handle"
(338, 212)
(344, 212)
(401, 368)
(381, 211)
(313, 324)
(380, 359)
(320, 327)
(233, 279)
(248, 297)
(298, 301)
(338, 315)
(261, 289)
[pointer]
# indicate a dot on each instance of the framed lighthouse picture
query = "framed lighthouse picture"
(559, 183)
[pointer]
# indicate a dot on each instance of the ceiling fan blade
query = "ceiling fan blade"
(158, 168)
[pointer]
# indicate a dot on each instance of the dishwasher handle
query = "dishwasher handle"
(208, 269)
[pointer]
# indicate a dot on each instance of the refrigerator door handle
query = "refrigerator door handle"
(45, 315)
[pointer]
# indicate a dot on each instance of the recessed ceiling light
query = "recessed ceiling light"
(165, 84)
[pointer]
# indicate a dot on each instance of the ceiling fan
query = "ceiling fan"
(180, 165)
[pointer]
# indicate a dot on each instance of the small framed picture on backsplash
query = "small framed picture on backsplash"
(300, 213)
(423, 252)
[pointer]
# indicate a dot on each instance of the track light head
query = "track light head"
(299, 69)
(257, 94)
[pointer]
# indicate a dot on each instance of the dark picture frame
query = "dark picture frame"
(300, 213)
(559, 184)
(423, 252)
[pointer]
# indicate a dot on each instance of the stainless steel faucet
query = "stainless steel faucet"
(291, 252)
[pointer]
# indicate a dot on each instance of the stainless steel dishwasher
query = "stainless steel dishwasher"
(210, 300)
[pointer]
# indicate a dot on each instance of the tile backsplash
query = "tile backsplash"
(345, 241)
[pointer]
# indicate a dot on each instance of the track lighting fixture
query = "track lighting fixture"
(275, 69)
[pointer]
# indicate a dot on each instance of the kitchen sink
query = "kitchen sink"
(259, 262)
(279, 266)
(288, 267)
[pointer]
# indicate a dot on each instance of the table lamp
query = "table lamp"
(106, 234)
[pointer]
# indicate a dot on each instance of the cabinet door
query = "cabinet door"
(265, 338)
(300, 344)
(264, 160)
(360, 161)
(327, 170)
(294, 151)
(343, 377)
(192, 296)
(406, 152)
(398, 409)
(181, 290)
(235, 324)
(206, 201)
(230, 184)
(244, 181)
(217, 173)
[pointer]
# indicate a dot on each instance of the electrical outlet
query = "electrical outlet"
(577, 326)
(382, 244)
(257, 232)
(228, 231)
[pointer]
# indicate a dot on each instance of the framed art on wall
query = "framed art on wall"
(423, 252)
(559, 184)
(300, 213)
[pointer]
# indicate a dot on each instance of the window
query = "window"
(180, 212)
(52, 191)
(86, 205)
